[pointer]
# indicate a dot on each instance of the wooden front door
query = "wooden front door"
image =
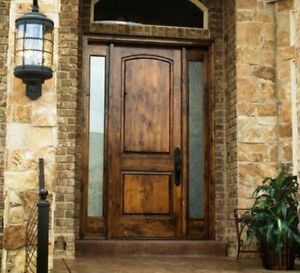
(144, 143)
(148, 143)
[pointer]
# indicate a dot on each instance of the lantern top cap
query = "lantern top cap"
(34, 17)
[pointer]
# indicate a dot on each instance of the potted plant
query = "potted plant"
(273, 221)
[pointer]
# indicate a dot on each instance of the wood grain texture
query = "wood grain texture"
(146, 119)
(144, 130)
(146, 194)
(147, 89)
(89, 224)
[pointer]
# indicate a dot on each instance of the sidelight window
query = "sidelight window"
(96, 136)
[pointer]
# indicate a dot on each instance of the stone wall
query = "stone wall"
(264, 104)
(297, 59)
(31, 134)
(4, 31)
(284, 55)
(257, 102)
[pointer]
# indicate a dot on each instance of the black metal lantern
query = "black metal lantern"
(34, 50)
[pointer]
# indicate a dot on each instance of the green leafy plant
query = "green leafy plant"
(273, 217)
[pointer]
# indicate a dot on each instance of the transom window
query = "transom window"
(180, 13)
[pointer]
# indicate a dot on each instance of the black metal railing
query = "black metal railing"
(37, 231)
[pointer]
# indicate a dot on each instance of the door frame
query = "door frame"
(103, 45)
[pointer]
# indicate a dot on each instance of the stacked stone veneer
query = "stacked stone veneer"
(31, 134)
(4, 31)
(264, 104)
(297, 59)
(263, 92)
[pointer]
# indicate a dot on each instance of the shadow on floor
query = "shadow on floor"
(160, 265)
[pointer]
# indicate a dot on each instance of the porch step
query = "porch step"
(149, 248)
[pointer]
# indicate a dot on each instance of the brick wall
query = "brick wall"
(68, 96)
(230, 124)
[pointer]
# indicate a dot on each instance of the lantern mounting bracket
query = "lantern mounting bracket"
(33, 77)
(35, 6)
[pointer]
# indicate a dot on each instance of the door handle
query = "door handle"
(177, 166)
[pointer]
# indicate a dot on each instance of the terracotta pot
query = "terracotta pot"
(285, 260)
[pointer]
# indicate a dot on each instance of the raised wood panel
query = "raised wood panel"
(146, 227)
(147, 93)
(146, 194)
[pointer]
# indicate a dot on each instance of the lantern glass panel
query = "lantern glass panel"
(34, 44)
(19, 44)
(19, 58)
(48, 46)
(47, 59)
(33, 57)
(20, 31)
(34, 31)
(48, 35)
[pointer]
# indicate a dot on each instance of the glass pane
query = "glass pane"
(19, 44)
(180, 13)
(34, 31)
(196, 141)
(20, 31)
(33, 57)
(19, 58)
(96, 136)
(47, 59)
(48, 34)
(48, 46)
(33, 44)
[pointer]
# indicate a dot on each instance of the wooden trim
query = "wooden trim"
(109, 222)
(84, 156)
(211, 122)
(184, 142)
(204, 226)
(88, 224)
(137, 40)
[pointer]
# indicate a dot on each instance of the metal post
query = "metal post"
(42, 235)
(43, 224)
(41, 174)
(35, 6)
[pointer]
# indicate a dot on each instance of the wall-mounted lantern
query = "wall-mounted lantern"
(34, 50)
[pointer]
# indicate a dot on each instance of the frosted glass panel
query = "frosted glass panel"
(196, 141)
(96, 136)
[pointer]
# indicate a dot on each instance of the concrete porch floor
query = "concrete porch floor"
(165, 264)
